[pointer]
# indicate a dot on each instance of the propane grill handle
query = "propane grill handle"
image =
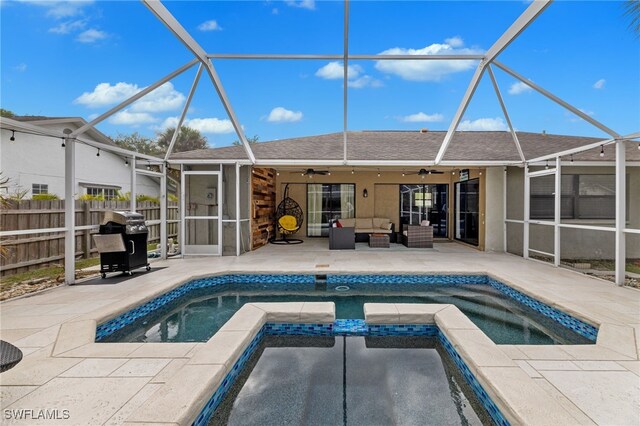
(133, 247)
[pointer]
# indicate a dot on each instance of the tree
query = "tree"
(251, 140)
(632, 11)
(137, 142)
(6, 113)
(189, 139)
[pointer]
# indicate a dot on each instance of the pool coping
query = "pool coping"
(76, 338)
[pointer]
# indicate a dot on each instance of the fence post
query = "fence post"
(87, 232)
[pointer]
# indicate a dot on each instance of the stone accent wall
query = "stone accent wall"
(263, 209)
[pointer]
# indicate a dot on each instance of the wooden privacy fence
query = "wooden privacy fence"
(34, 251)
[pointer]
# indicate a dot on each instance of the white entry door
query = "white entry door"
(201, 206)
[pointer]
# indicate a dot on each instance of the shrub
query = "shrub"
(140, 198)
(45, 197)
(89, 197)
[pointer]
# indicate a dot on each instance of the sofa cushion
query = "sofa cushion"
(372, 231)
(378, 222)
(364, 223)
(348, 223)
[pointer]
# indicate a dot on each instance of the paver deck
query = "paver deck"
(105, 383)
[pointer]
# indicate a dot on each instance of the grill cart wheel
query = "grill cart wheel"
(148, 267)
(104, 275)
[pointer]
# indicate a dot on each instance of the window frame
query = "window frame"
(41, 187)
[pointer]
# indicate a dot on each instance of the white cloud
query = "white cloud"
(22, 67)
(68, 27)
(421, 117)
(91, 36)
(485, 124)
(282, 115)
(132, 118)
(210, 125)
(59, 9)
(164, 98)
(275, 11)
(364, 81)
(303, 4)
(211, 25)
(428, 70)
(454, 42)
(519, 88)
(203, 125)
(106, 94)
(335, 70)
(599, 84)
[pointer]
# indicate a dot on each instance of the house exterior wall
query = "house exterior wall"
(33, 159)
(383, 192)
(574, 243)
(494, 211)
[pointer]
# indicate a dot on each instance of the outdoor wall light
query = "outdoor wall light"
(601, 150)
(365, 193)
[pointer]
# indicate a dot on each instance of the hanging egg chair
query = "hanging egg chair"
(289, 219)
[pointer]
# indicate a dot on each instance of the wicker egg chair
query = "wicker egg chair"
(289, 219)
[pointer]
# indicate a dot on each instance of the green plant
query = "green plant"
(172, 197)
(141, 198)
(45, 197)
(89, 197)
(123, 197)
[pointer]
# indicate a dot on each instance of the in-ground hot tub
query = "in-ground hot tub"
(349, 380)
(194, 311)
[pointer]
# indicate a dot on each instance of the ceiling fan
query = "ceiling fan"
(312, 172)
(424, 172)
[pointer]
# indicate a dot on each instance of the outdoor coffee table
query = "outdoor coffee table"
(379, 240)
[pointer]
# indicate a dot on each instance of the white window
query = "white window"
(39, 188)
(106, 193)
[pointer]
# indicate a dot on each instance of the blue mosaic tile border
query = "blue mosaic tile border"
(350, 326)
(211, 405)
(580, 327)
(482, 395)
(405, 279)
(277, 329)
(109, 327)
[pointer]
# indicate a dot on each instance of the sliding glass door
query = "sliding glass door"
(425, 202)
(467, 211)
(326, 202)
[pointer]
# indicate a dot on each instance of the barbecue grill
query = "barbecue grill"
(122, 242)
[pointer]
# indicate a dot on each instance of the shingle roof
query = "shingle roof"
(411, 145)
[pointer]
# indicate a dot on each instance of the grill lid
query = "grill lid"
(123, 218)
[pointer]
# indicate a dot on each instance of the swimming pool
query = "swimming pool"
(349, 381)
(196, 310)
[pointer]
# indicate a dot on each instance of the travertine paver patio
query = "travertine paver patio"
(105, 383)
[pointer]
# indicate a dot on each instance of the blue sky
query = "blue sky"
(79, 58)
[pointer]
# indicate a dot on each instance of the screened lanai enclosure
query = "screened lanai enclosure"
(565, 201)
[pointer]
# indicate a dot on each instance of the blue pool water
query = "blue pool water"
(199, 313)
(350, 381)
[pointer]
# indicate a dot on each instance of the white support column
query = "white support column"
(557, 213)
(134, 184)
(504, 210)
(525, 217)
(69, 210)
(183, 226)
(163, 213)
(621, 211)
(238, 209)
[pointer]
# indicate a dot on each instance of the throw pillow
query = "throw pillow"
(424, 223)
(338, 224)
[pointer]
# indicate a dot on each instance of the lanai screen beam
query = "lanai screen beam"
(161, 12)
(506, 114)
(345, 65)
(559, 101)
(184, 114)
(334, 57)
(523, 21)
(132, 99)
